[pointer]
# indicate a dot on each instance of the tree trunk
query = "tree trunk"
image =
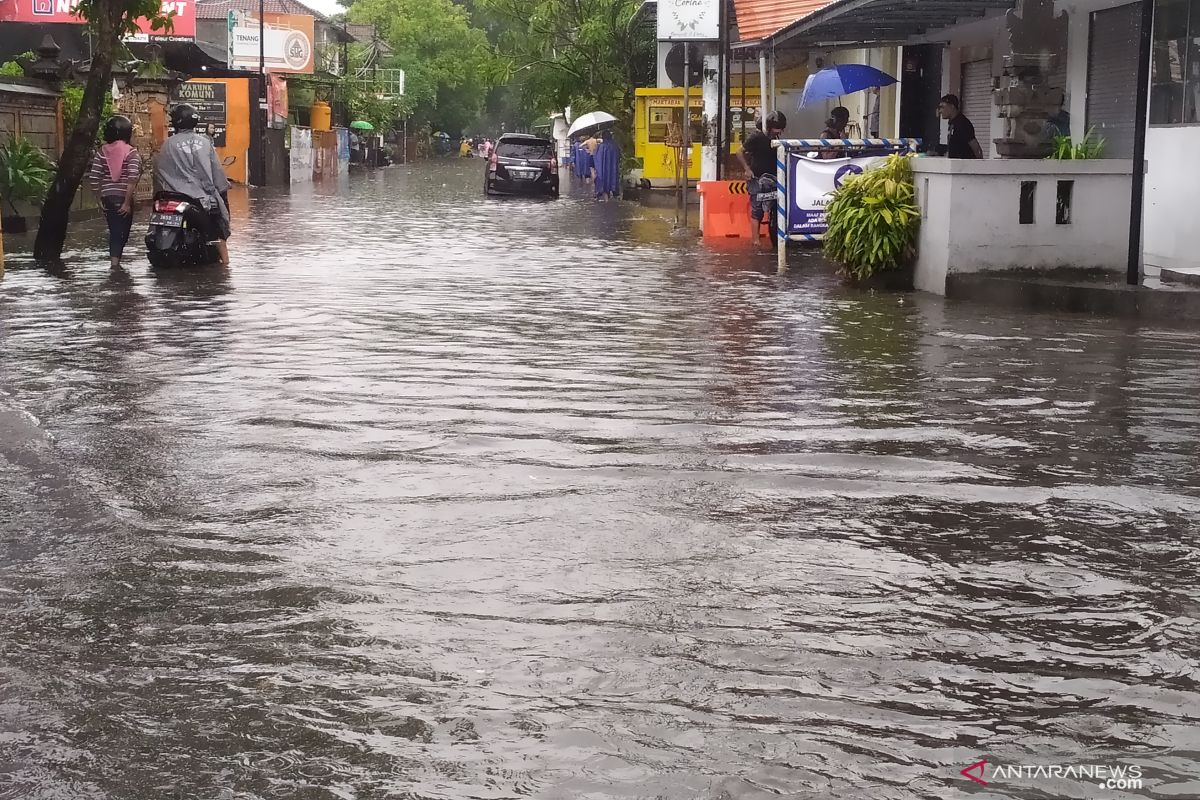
(77, 155)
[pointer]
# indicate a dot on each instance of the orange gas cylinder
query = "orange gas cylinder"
(320, 116)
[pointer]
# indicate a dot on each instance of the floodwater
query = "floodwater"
(436, 497)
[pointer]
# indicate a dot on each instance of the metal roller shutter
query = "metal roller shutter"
(977, 100)
(1112, 77)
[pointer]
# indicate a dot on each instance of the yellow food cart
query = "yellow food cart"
(656, 110)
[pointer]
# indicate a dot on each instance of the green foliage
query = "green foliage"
(72, 97)
(1066, 149)
(364, 101)
(12, 69)
(873, 219)
(588, 54)
(448, 63)
(25, 172)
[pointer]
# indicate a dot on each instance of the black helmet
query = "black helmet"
(184, 118)
(776, 121)
(118, 128)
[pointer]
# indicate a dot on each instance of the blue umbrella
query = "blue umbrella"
(842, 79)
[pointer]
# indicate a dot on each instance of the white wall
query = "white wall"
(1170, 230)
(971, 220)
(1171, 236)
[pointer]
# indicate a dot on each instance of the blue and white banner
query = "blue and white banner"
(809, 184)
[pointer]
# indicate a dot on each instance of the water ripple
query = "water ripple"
(432, 497)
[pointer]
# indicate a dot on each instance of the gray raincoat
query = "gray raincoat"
(188, 165)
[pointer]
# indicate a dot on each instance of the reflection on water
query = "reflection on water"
(436, 497)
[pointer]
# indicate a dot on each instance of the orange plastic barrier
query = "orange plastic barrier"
(726, 209)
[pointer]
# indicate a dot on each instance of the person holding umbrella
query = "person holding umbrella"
(835, 126)
(584, 129)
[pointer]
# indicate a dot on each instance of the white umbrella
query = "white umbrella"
(590, 123)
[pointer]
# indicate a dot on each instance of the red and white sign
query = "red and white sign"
(61, 11)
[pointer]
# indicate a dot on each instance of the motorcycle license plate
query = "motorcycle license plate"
(765, 197)
(169, 220)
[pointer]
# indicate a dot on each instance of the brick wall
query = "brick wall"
(144, 101)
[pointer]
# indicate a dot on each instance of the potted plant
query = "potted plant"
(872, 225)
(25, 175)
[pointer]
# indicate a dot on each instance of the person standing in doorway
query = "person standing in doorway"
(961, 143)
(116, 169)
(872, 119)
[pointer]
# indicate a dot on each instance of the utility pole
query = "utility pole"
(686, 153)
(1133, 268)
(263, 113)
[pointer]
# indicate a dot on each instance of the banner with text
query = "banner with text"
(287, 44)
(810, 182)
(62, 11)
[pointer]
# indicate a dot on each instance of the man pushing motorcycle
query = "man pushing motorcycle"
(759, 158)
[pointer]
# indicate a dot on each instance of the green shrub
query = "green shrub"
(1065, 149)
(873, 219)
(25, 172)
(13, 69)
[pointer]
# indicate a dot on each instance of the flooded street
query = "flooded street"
(436, 497)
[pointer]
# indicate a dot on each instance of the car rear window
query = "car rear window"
(539, 148)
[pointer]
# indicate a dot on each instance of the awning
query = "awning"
(191, 58)
(874, 22)
(760, 19)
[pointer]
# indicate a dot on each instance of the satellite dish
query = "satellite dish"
(675, 65)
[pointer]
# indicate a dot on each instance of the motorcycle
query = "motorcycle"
(179, 234)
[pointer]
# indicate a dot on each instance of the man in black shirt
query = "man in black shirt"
(961, 143)
(759, 158)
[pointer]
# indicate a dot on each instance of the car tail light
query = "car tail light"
(554, 166)
(169, 206)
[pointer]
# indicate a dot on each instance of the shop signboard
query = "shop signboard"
(209, 100)
(689, 20)
(182, 12)
(287, 43)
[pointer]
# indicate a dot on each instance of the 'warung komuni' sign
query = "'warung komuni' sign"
(689, 20)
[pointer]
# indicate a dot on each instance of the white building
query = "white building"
(958, 47)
